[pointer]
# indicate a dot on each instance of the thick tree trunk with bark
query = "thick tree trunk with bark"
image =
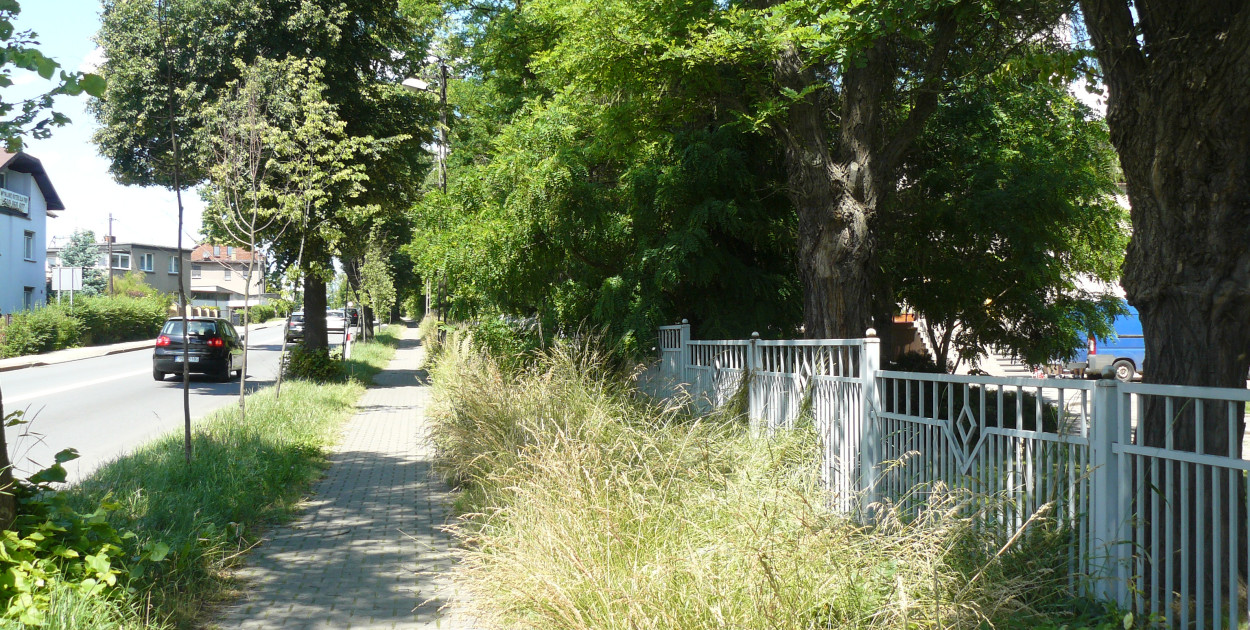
(315, 337)
(835, 197)
(1180, 120)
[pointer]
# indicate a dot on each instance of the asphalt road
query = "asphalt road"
(107, 406)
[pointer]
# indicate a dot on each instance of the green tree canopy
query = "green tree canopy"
(361, 48)
(1007, 218)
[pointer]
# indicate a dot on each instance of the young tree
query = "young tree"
(1179, 117)
(241, 194)
(366, 47)
(377, 283)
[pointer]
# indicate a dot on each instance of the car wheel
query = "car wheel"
(1123, 371)
(158, 375)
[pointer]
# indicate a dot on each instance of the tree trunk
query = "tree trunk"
(8, 502)
(315, 337)
(1180, 120)
(834, 198)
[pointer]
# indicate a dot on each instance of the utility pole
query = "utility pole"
(109, 262)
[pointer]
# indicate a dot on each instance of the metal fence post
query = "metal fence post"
(869, 453)
(684, 344)
(1110, 549)
(754, 400)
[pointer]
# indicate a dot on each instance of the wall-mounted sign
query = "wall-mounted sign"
(10, 199)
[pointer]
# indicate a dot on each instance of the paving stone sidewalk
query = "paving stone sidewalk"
(367, 552)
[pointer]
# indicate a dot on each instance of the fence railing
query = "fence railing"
(1156, 515)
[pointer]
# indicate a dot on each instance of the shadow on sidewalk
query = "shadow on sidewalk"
(369, 545)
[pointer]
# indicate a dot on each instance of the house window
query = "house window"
(121, 261)
(227, 273)
(28, 298)
(28, 249)
(216, 250)
(229, 252)
(195, 271)
(146, 262)
(175, 264)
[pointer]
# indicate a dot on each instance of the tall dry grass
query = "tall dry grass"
(585, 506)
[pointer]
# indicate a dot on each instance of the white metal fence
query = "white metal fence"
(1157, 521)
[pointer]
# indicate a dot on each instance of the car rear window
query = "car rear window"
(297, 317)
(198, 329)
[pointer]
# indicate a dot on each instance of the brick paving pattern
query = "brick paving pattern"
(367, 552)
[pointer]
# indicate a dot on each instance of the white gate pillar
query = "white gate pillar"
(755, 397)
(1109, 503)
(869, 451)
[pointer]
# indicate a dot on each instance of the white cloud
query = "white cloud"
(93, 60)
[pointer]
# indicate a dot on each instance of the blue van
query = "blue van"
(1120, 356)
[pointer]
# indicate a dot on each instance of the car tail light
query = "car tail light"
(162, 341)
(216, 342)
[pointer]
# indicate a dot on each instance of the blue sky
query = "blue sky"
(65, 30)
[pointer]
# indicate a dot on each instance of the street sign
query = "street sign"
(67, 278)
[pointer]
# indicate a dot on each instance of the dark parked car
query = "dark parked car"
(295, 326)
(214, 348)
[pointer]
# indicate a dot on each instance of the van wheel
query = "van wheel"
(1124, 371)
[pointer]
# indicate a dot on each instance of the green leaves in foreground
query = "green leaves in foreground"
(34, 116)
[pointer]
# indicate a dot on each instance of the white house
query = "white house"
(27, 199)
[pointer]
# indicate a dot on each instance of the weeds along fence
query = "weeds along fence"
(1156, 511)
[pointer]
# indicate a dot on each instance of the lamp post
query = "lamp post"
(417, 85)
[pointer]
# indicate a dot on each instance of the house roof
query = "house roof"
(120, 246)
(24, 163)
(204, 252)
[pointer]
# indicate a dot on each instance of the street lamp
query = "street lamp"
(417, 85)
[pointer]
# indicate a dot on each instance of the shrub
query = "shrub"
(262, 313)
(282, 307)
(510, 344)
(114, 319)
(51, 549)
(133, 284)
(315, 365)
(39, 330)
(431, 333)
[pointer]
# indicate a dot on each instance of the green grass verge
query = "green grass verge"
(585, 507)
(245, 476)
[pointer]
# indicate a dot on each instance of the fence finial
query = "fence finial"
(871, 333)
(685, 321)
(755, 335)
